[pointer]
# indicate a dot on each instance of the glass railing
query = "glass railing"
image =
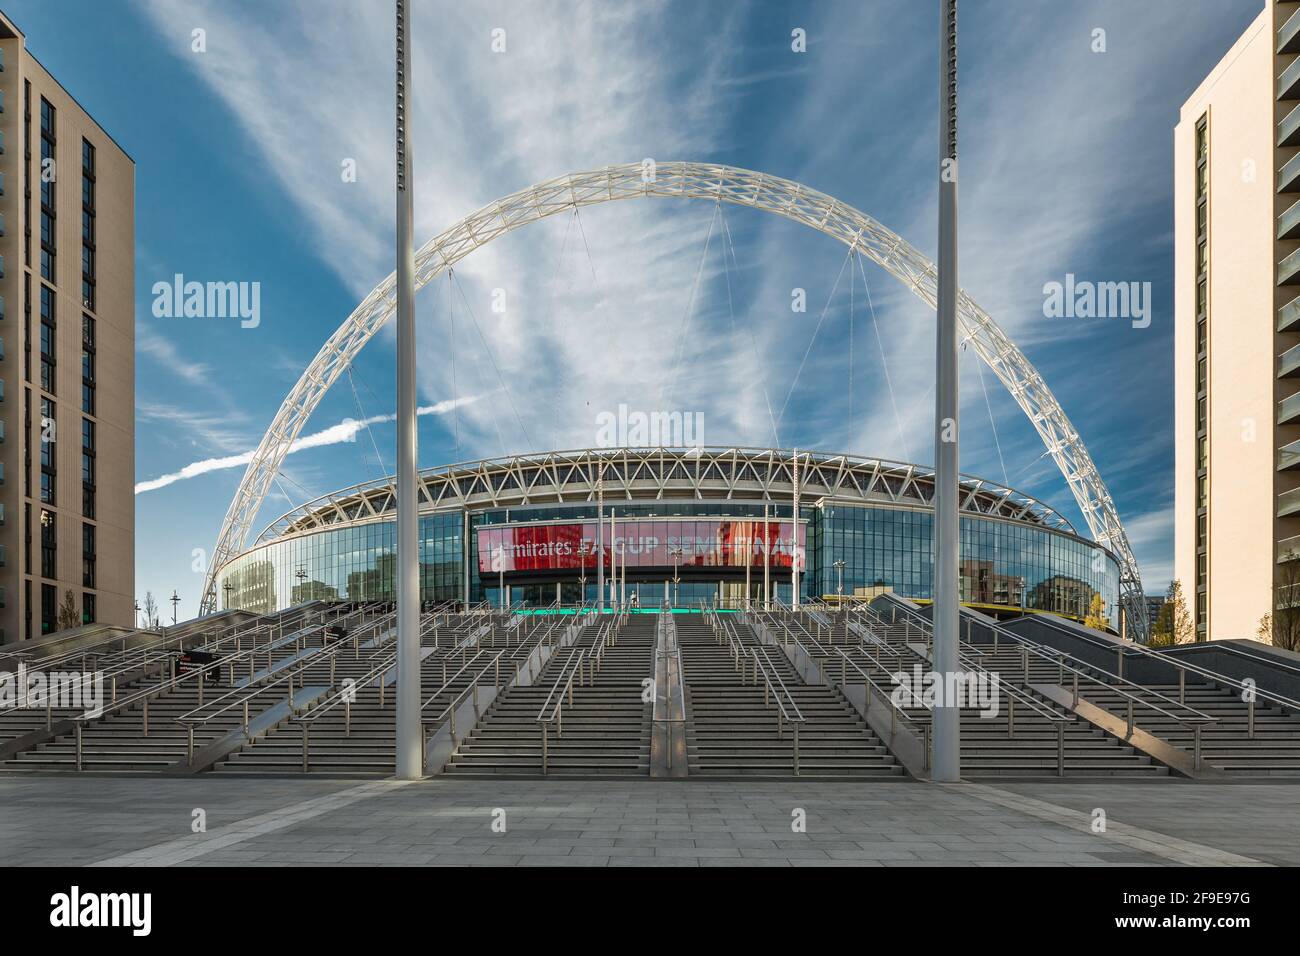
(1288, 177)
(1288, 224)
(1288, 35)
(1288, 410)
(1288, 456)
(1288, 84)
(1288, 549)
(1288, 130)
(1288, 363)
(1288, 317)
(1288, 502)
(1288, 270)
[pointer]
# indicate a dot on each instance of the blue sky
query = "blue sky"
(1066, 168)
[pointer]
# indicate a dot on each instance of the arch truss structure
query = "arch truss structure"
(707, 181)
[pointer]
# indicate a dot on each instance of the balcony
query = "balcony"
(1288, 270)
(1288, 363)
(1288, 457)
(1288, 316)
(1288, 129)
(1288, 503)
(1288, 35)
(1288, 84)
(1288, 410)
(1288, 177)
(1288, 224)
(1288, 549)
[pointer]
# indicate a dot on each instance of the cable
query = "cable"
(497, 368)
(361, 413)
(820, 320)
(666, 393)
(753, 343)
(884, 362)
(997, 442)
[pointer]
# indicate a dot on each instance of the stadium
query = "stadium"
(685, 526)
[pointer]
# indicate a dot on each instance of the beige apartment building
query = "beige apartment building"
(67, 356)
(1237, 331)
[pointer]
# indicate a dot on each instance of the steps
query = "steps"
(605, 732)
(731, 731)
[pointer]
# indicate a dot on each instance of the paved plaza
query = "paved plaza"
(71, 820)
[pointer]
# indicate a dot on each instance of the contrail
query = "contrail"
(344, 431)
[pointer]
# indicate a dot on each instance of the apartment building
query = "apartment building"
(67, 356)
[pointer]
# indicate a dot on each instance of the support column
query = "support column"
(947, 716)
(410, 762)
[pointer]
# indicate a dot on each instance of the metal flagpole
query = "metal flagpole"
(947, 716)
(410, 763)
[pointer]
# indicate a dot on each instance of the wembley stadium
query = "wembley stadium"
(694, 525)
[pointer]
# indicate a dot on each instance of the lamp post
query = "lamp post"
(409, 734)
(839, 579)
(947, 717)
(175, 599)
(677, 557)
(227, 587)
(584, 549)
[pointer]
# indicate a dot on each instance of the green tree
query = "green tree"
(1096, 616)
(69, 616)
(1174, 622)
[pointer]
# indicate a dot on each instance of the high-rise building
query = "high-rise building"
(1237, 331)
(67, 356)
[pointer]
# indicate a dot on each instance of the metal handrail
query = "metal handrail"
(569, 671)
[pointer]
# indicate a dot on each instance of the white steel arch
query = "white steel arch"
(681, 180)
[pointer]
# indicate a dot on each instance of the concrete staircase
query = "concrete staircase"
(732, 732)
(605, 731)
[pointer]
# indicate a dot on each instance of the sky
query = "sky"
(264, 155)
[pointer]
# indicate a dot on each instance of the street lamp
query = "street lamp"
(839, 579)
(175, 599)
(227, 587)
(677, 557)
(584, 549)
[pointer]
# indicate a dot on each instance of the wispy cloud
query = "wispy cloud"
(344, 431)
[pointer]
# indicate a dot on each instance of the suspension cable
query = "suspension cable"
(665, 394)
(997, 442)
(753, 343)
(361, 412)
(492, 358)
(822, 318)
(884, 362)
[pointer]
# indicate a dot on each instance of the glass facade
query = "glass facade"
(353, 563)
(533, 549)
(1001, 562)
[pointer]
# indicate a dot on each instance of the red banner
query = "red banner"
(642, 543)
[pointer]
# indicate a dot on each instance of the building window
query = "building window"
(88, 555)
(49, 607)
(47, 339)
(48, 459)
(88, 609)
(47, 177)
(49, 545)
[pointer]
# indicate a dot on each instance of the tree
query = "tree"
(1174, 622)
(68, 614)
(1264, 632)
(150, 611)
(1285, 618)
(1096, 616)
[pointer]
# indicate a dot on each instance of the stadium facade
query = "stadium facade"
(717, 520)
